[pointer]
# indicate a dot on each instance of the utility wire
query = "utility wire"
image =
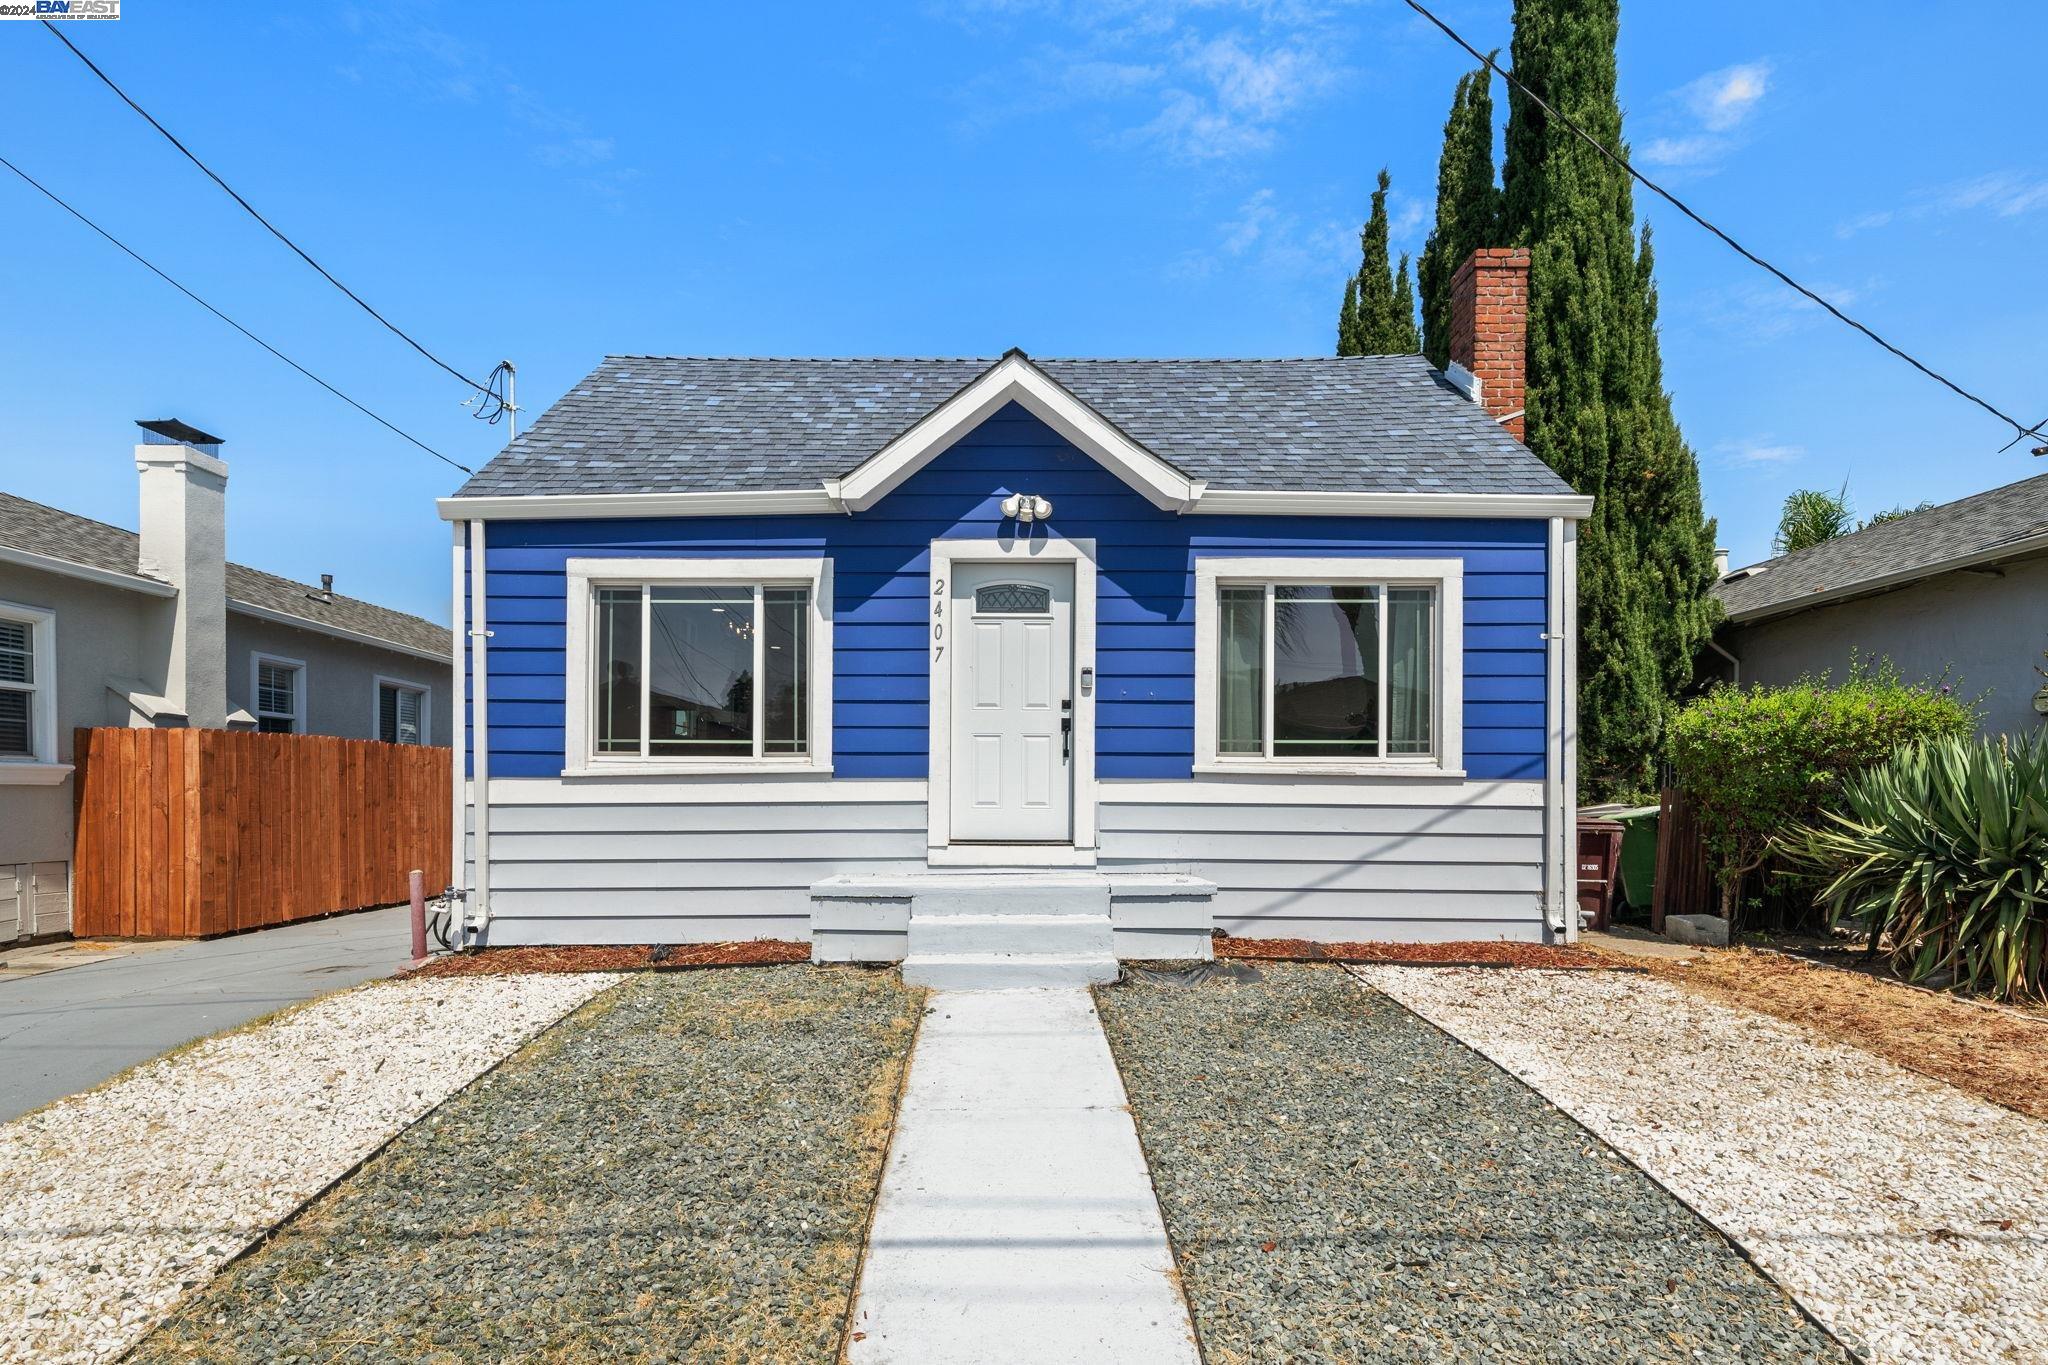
(140, 260)
(1740, 249)
(488, 390)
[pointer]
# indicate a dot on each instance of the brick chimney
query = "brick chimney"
(1490, 329)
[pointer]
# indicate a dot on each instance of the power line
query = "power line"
(1740, 249)
(488, 390)
(51, 195)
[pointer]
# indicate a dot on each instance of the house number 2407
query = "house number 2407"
(938, 619)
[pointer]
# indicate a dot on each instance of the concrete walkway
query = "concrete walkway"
(1017, 1221)
(66, 1031)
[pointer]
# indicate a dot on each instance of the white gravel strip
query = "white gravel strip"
(1909, 1217)
(115, 1202)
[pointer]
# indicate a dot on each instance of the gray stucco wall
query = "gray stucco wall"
(340, 677)
(1985, 631)
(99, 636)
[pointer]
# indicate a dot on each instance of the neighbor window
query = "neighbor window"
(719, 670)
(1324, 670)
(24, 691)
(401, 713)
(280, 696)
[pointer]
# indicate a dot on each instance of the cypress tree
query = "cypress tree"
(1403, 335)
(1595, 407)
(1347, 319)
(1467, 207)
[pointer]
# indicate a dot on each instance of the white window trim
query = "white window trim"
(940, 850)
(1447, 576)
(42, 695)
(579, 722)
(377, 686)
(256, 661)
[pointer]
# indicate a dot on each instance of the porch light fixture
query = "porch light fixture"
(1027, 507)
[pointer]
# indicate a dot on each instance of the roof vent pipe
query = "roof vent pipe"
(1720, 564)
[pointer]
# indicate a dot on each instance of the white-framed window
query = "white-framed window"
(277, 694)
(28, 684)
(1329, 665)
(402, 709)
(699, 665)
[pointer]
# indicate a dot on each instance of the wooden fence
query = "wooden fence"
(1685, 883)
(191, 833)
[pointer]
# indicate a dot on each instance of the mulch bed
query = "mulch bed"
(1341, 1181)
(2000, 1055)
(1469, 954)
(633, 957)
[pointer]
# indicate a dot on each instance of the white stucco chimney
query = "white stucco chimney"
(1720, 565)
(184, 542)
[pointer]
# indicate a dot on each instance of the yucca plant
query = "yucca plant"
(1942, 852)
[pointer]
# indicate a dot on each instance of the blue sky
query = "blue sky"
(1137, 177)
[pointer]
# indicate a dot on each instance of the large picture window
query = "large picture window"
(694, 671)
(1325, 669)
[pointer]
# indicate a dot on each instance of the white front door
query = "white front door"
(1013, 703)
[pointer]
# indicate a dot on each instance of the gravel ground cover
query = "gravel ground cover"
(681, 1172)
(113, 1203)
(1491, 953)
(1343, 1182)
(1995, 1052)
(760, 952)
(1908, 1216)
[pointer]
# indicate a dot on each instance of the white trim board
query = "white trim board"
(1250, 790)
(690, 790)
(1015, 379)
(1447, 576)
(944, 555)
(1202, 501)
(586, 574)
(69, 568)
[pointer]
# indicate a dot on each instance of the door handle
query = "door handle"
(1067, 730)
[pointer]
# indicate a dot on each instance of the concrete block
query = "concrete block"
(1707, 930)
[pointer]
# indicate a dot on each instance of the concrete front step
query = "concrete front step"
(1006, 971)
(1060, 935)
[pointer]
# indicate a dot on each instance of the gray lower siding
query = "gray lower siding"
(632, 870)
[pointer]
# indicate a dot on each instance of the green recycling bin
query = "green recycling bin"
(1638, 854)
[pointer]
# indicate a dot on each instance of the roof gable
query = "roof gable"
(1014, 379)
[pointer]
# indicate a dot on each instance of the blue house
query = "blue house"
(1045, 662)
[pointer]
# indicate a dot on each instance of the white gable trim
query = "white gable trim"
(1273, 503)
(1015, 379)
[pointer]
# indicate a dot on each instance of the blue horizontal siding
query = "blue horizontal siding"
(1145, 605)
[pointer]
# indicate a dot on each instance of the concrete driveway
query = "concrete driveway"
(68, 1030)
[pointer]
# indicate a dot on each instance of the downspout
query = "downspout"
(480, 737)
(1568, 739)
(1557, 917)
(458, 873)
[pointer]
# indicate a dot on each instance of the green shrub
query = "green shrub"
(1943, 850)
(1754, 763)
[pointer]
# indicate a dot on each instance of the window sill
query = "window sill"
(1263, 768)
(29, 773)
(762, 768)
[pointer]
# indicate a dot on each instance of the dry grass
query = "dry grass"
(1996, 1054)
(1471, 954)
(631, 957)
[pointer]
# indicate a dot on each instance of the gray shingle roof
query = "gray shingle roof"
(1891, 551)
(677, 424)
(42, 530)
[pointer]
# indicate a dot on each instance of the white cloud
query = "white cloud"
(1266, 238)
(1758, 450)
(1715, 106)
(1722, 99)
(1762, 311)
(1204, 79)
(2002, 194)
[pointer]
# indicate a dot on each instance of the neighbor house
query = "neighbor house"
(1957, 592)
(942, 658)
(103, 626)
